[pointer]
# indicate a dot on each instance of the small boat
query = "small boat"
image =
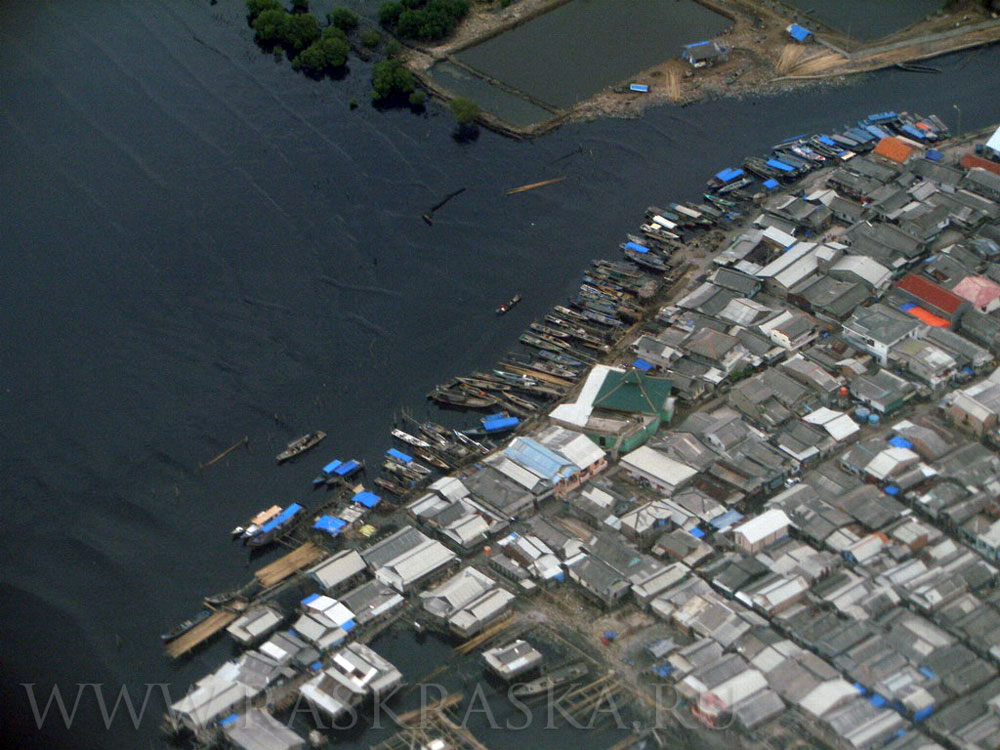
(410, 439)
(398, 457)
(554, 679)
(178, 630)
(452, 398)
(494, 424)
(385, 484)
(433, 459)
(505, 307)
(337, 471)
(253, 526)
(216, 600)
(403, 471)
(301, 445)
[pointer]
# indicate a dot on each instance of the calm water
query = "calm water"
(868, 19)
(586, 45)
(199, 245)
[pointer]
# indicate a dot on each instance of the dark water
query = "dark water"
(586, 45)
(199, 245)
(867, 20)
(509, 107)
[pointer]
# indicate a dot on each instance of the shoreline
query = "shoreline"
(762, 60)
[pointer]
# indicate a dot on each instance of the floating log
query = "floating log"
(534, 185)
(245, 441)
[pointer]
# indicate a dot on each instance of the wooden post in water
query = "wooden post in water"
(245, 441)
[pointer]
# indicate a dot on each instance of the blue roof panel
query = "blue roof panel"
(799, 33)
(347, 469)
(641, 364)
(780, 165)
(637, 247)
(331, 525)
(399, 454)
(535, 457)
(282, 518)
(328, 469)
(367, 499)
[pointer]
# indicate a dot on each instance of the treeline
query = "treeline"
(312, 49)
(426, 20)
(316, 50)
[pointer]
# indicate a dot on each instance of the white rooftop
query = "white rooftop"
(659, 465)
(763, 525)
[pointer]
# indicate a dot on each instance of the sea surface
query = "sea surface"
(200, 245)
(867, 20)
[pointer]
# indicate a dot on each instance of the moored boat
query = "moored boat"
(554, 679)
(505, 307)
(385, 484)
(254, 524)
(301, 445)
(178, 630)
(410, 439)
(275, 526)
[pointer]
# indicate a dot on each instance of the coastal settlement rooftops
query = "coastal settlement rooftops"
(894, 149)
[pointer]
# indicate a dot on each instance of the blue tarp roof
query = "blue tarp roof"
(891, 490)
(926, 672)
(729, 174)
(876, 131)
(399, 454)
(860, 688)
(923, 713)
(349, 468)
(637, 247)
(499, 425)
(780, 165)
(367, 499)
(330, 524)
(641, 364)
(934, 155)
(825, 139)
(640, 87)
(309, 599)
(915, 132)
(697, 533)
(907, 306)
(535, 457)
(348, 626)
(771, 184)
(899, 442)
(727, 519)
(281, 518)
(799, 33)
(882, 117)
(328, 469)
(877, 700)
(229, 720)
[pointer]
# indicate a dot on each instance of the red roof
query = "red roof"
(893, 148)
(971, 161)
(929, 292)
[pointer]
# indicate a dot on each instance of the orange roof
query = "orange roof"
(929, 318)
(970, 161)
(893, 148)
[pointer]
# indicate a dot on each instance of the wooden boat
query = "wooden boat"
(452, 398)
(436, 433)
(385, 484)
(410, 439)
(301, 445)
(474, 444)
(216, 600)
(402, 471)
(178, 630)
(554, 679)
(276, 526)
(433, 459)
(505, 307)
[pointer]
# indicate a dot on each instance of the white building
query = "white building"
(649, 466)
(758, 532)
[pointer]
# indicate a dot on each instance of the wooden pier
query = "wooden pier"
(294, 561)
(491, 632)
(423, 726)
(200, 633)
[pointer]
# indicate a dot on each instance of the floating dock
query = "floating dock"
(291, 563)
(200, 633)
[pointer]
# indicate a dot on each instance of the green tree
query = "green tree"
(391, 80)
(322, 56)
(256, 7)
(332, 32)
(417, 98)
(389, 12)
(465, 111)
(393, 48)
(301, 31)
(270, 26)
(300, 6)
(343, 18)
(370, 38)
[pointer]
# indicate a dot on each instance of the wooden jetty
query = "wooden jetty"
(294, 561)
(420, 728)
(200, 633)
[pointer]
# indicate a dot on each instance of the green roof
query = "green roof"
(634, 392)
